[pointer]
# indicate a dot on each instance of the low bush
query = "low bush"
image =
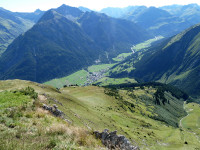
(28, 91)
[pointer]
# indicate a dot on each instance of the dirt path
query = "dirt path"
(181, 125)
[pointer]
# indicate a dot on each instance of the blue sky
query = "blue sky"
(31, 5)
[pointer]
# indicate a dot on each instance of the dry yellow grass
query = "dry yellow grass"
(42, 98)
(40, 113)
(78, 135)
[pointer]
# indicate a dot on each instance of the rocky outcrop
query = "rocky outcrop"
(113, 141)
(55, 111)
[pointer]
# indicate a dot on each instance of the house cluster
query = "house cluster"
(95, 76)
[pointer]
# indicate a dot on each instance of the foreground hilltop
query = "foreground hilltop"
(142, 113)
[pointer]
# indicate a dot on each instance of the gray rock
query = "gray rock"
(54, 110)
(113, 141)
(55, 106)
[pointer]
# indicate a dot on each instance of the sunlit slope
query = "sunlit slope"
(175, 61)
(24, 124)
(132, 112)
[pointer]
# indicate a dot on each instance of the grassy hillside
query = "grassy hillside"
(110, 81)
(78, 78)
(191, 122)
(130, 111)
(25, 125)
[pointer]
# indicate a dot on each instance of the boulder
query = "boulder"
(113, 141)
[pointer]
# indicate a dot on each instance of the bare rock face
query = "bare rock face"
(113, 141)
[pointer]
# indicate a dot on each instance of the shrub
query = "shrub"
(28, 91)
(52, 143)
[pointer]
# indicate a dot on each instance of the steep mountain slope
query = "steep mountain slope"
(131, 111)
(48, 50)
(175, 61)
(57, 46)
(10, 27)
(113, 35)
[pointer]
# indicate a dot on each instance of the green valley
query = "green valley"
(99, 74)
(83, 77)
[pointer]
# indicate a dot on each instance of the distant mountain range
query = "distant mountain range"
(190, 13)
(65, 40)
(119, 12)
(175, 61)
(166, 21)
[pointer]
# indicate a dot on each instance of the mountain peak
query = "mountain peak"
(66, 10)
(65, 6)
(37, 11)
(50, 14)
